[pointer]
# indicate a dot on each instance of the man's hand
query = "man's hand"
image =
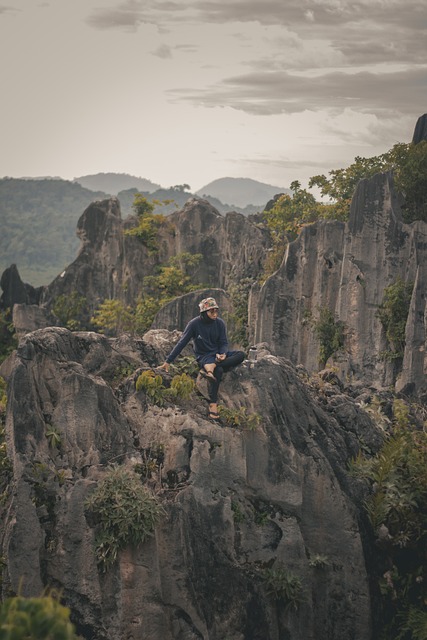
(220, 356)
(164, 366)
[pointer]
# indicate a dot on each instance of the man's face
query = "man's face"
(213, 313)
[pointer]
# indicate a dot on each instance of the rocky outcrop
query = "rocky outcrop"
(236, 502)
(15, 291)
(112, 264)
(30, 317)
(346, 267)
(420, 132)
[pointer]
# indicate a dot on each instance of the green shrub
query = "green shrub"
(124, 511)
(113, 317)
(148, 223)
(393, 314)
(53, 436)
(284, 586)
(261, 518)
(238, 514)
(318, 561)
(415, 625)
(186, 364)
(152, 385)
(3, 396)
(5, 466)
(397, 510)
(8, 341)
(152, 459)
(68, 309)
(330, 334)
(239, 418)
(35, 619)
(182, 386)
(238, 320)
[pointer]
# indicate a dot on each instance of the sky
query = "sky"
(189, 92)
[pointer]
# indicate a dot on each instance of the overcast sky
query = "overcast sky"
(188, 92)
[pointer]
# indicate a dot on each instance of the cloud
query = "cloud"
(284, 163)
(360, 31)
(5, 9)
(327, 12)
(129, 15)
(281, 92)
(164, 52)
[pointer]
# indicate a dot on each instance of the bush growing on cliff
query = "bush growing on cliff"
(397, 510)
(290, 213)
(8, 341)
(41, 618)
(5, 463)
(152, 385)
(239, 418)
(113, 317)
(238, 320)
(409, 165)
(149, 223)
(393, 314)
(182, 386)
(175, 278)
(284, 586)
(285, 220)
(330, 334)
(124, 511)
(3, 397)
(68, 309)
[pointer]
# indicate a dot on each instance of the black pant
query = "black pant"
(235, 358)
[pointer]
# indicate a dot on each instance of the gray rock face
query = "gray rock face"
(420, 132)
(236, 502)
(346, 267)
(15, 291)
(113, 265)
(30, 317)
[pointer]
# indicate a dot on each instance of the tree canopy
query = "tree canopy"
(290, 213)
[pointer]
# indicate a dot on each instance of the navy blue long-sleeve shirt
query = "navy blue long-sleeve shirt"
(209, 338)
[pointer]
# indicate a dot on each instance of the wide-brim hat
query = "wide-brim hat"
(207, 304)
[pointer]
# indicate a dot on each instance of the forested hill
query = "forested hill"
(38, 222)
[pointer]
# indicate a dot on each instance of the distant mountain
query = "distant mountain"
(38, 216)
(179, 198)
(112, 183)
(241, 192)
(38, 221)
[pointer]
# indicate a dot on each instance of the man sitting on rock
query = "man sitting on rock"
(209, 335)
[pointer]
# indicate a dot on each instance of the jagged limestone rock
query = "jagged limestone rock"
(111, 264)
(15, 291)
(420, 131)
(347, 267)
(236, 501)
(30, 317)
